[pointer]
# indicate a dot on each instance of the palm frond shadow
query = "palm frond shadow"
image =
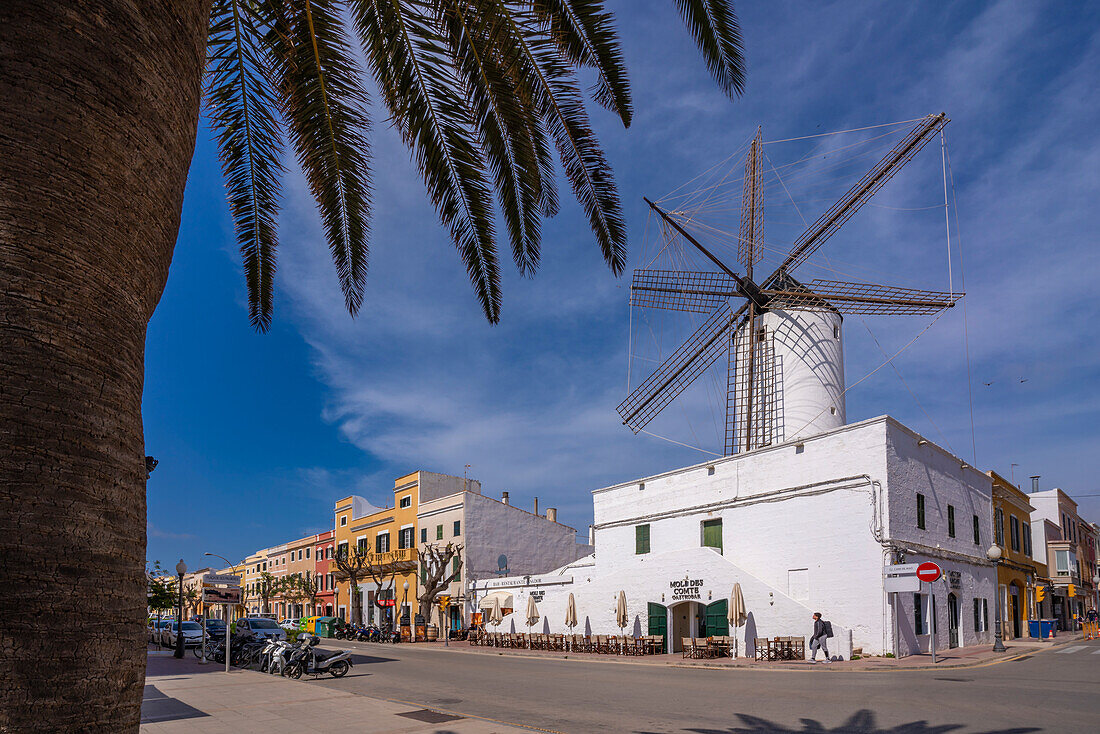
(862, 721)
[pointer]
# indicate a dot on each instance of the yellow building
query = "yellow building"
(1018, 572)
(382, 541)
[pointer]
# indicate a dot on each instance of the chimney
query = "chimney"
(1035, 483)
(504, 497)
(536, 505)
(552, 514)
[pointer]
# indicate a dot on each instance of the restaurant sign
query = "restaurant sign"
(685, 588)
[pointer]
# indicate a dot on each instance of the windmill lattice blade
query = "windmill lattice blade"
(861, 298)
(694, 356)
(681, 290)
(750, 236)
(829, 222)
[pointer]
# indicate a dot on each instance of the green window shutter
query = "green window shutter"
(458, 528)
(454, 565)
(439, 532)
(423, 535)
(641, 539)
(950, 521)
(712, 534)
(718, 618)
(920, 511)
(658, 620)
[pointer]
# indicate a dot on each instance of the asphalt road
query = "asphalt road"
(1052, 690)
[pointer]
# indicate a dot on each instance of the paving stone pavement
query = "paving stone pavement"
(185, 696)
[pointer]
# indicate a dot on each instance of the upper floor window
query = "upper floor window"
(1064, 562)
(363, 544)
(920, 511)
(950, 521)
(458, 528)
(307, 553)
(405, 538)
(406, 501)
(343, 520)
(439, 532)
(641, 539)
(423, 535)
(977, 531)
(382, 542)
(1027, 538)
(712, 534)
(1014, 532)
(999, 527)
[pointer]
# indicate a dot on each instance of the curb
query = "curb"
(988, 662)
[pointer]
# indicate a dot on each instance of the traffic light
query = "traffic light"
(1040, 594)
(444, 601)
(1071, 590)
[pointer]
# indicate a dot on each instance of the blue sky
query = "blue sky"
(257, 435)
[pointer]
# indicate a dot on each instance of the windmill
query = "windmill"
(785, 369)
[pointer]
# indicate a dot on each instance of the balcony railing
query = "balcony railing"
(401, 560)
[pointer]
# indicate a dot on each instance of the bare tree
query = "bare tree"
(354, 565)
(268, 586)
(434, 576)
(309, 586)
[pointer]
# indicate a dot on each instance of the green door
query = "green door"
(718, 623)
(658, 621)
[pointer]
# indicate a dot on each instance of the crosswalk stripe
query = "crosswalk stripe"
(1075, 648)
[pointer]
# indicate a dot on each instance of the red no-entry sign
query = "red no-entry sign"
(928, 571)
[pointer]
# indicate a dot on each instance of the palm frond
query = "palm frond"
(503, 124)
(717, 33)
(410, 60)
(547, 79)
(583, 29)
(325, 108)
(243, 113)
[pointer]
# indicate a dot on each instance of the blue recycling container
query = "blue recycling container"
(1042, 629)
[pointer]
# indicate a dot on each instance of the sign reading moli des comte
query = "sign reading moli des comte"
(685, 588)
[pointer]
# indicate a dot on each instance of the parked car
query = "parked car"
(260, 627)
(289, 624)
(215, 628)
(156, 627)
(192, 634)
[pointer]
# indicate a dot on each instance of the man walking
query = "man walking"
(819, 639)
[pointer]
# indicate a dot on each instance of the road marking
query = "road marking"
(1096, 651)
(1075, 648)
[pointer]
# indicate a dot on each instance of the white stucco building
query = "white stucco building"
(803, 526)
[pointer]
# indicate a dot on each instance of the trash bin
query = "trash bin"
(325, 626)
(309, 624)
(1042, 629)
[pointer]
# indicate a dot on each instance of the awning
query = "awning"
(505, 598)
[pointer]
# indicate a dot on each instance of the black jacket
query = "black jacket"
(819, 629)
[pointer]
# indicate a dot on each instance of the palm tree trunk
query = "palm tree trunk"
(99, 105)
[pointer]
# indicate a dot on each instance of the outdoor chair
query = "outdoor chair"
(602, 645)
(702, 647)
(557, 642)
(580, 644)
(687, 647)
(763, 648)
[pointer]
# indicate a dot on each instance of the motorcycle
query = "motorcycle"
(306, 658)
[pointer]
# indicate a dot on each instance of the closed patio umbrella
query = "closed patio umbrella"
(621, 618)
(736, 612)
(533, 617)
(571, 616)
(496, 616)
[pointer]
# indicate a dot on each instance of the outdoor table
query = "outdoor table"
(720, 647)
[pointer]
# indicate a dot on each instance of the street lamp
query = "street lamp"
(994, 555)
(406, 611)
(181, 569)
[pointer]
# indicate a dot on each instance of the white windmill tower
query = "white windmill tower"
(782, 339)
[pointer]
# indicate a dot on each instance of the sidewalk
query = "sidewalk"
(184, 696)
(960, 657)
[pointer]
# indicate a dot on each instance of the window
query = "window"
(405, 538)
(439, 532)
(977, 531)
(950, 521)
(1014, 532)
(363, 544)
(641, 539)
(458, 528)
(343, 548)
(454, 564)
(343, 520)
(985, 614)
(406, 501)
(300, 555)
(307, 553)
(1027, 539)
(918, 613)
(999, 526)
(265, 565)
(712, 534)
(382, 542)
(977, 614)
(423, 535)
(1064, 561)
(920, 511)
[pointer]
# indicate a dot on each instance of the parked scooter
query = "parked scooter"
(277, 656)
(306, 658)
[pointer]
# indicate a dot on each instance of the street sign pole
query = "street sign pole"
(932, 620)
(225, 614)
(202, 660)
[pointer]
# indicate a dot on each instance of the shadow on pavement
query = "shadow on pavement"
(155, 706)
(862, 721)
